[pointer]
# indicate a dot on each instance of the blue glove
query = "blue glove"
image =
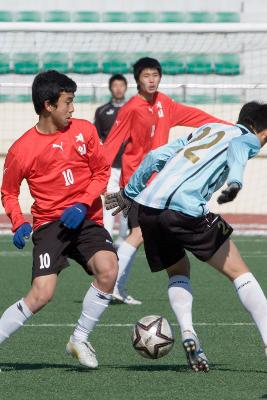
(73, 216)
(24, 231)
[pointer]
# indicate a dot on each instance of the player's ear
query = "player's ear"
(48, 106)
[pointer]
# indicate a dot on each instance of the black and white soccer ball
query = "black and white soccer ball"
(152, 337)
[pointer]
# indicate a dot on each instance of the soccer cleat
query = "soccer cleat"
(124, 297)
(84, 352)
(195, 355)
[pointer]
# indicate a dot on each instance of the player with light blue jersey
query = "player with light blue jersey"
(174, 217)
(193, 168)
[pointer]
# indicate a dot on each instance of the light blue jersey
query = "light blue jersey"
(193, 168)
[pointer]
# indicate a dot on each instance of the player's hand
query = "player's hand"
(73, 216)
(24, 231)
(119, 200)
(229, 194)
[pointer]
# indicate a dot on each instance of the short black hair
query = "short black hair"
(117, 77)
(47, 86)
(253, 115)
(143, 63)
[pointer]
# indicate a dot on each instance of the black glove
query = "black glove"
(229, 194)
(119, 200)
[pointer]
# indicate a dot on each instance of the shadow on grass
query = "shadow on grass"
(11, 367)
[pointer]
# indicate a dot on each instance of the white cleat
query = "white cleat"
(125, 298)
(195, 355)
(84, 352)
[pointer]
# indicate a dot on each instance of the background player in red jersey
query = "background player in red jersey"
(105, 116)
(62, 161)
(143, 123)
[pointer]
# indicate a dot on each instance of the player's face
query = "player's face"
(118, 89)
(62, 112)
(149, 81)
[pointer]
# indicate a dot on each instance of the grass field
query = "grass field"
(34, 364)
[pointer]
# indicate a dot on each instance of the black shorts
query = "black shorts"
(54, 244)
(133, 216)
(168, 233)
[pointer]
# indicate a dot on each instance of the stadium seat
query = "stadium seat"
(22, 98)
(172, 64)
(28, 16)
(57, 16)
(84, 98)
(228, 99)
(199, 64)
(227, 17)
(199, 16)
(6, 16)
(199, 99)
(85, 63)
(4, 63)
(26, 63)
(115, 63)
(179, 98)
(115, 16)
(227, 64)
(57, 61)
(85, 16)
(171, 16)
(6, 98)
(143, 16)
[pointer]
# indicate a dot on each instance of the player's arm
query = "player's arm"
(12, 178)
(119, 133)
(240, 150)
(183, 115)
(153, 162)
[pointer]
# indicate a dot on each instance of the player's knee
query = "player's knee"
(107, 275)
(43, 297)
(135, 238)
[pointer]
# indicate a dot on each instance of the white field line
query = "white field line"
(15, 253)
(130, 325)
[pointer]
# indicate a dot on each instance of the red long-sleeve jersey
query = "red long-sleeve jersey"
(144, 126)
(61, 169)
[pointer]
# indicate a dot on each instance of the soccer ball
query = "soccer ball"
(152, 337)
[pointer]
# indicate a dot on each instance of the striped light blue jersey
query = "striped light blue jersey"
(192, 168)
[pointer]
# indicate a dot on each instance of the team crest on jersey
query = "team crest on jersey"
(82, 149)
(79, 138)
(160, 109)
(110, 112)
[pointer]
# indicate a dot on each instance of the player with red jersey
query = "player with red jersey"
(143, 124)
(62, 160)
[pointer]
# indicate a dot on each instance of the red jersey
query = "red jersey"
(144, 126)
(61, 169)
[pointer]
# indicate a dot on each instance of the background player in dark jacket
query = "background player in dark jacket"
(105, 117)
(62, 160)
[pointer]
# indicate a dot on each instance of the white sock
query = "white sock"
(108, 220)
(181, 300)
(123, 227)
(126, 254)
(13, 318)
(254, 301)
(94, 304)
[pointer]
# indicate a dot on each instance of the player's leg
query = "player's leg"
(228, 261)
(126, 253)
(123, 230)
(94, 245)
(48, 261)
(181, 301)
(14, 317)
(113, 186)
